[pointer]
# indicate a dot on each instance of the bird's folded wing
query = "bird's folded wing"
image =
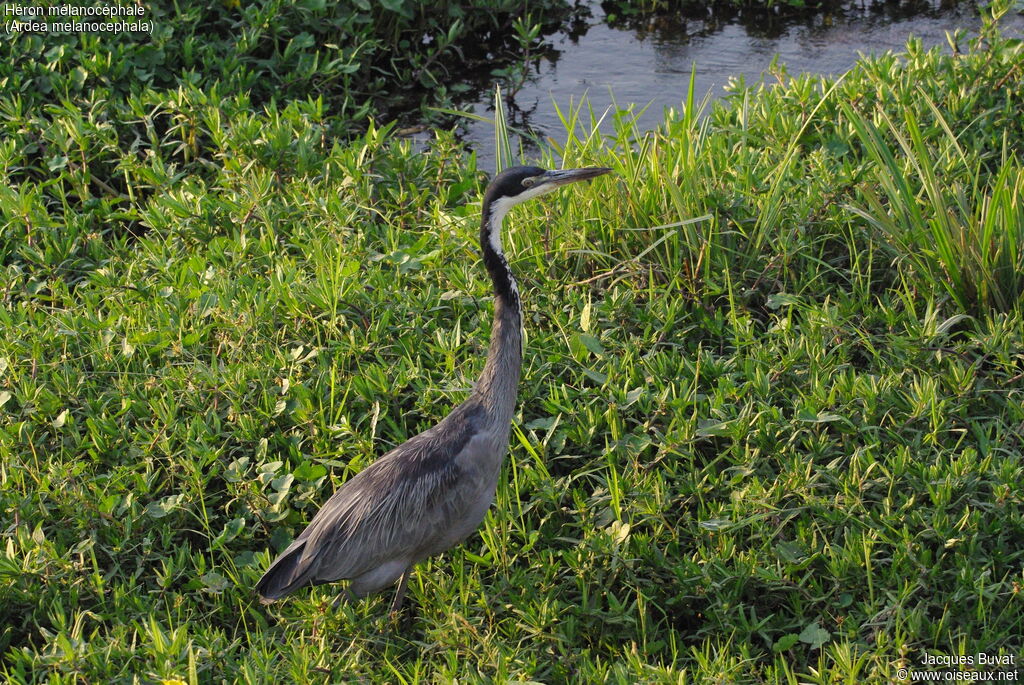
(392, 506)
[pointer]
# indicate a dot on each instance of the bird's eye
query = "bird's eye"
(527, 182)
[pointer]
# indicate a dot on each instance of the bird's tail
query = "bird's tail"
(287, 574)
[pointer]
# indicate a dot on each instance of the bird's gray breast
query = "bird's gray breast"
(455, 511)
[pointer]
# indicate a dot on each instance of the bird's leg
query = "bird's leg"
(396, 604)
(345, 595)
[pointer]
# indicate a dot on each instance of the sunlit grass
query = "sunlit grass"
(964, 233)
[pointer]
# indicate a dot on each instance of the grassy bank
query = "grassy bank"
(102, 105)
(771, 410)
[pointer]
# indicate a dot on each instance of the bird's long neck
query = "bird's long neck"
(499, 380)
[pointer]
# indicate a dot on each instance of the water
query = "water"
(651, 64)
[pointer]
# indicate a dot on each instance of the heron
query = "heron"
(432, 491)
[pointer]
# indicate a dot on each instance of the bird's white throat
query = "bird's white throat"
(499, 208)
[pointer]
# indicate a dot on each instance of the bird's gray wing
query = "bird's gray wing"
(392, 508)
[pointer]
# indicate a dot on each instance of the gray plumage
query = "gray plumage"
(431, 492)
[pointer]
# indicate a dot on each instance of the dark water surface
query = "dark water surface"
(651, 63)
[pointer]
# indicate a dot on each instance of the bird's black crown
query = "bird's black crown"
(509, 183)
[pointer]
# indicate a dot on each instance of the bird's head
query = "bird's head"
(508, 189)
(520, 183)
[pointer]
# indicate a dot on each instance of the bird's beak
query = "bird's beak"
(560, 177)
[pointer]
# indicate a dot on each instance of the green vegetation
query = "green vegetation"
(101, 105)
(771, 413)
